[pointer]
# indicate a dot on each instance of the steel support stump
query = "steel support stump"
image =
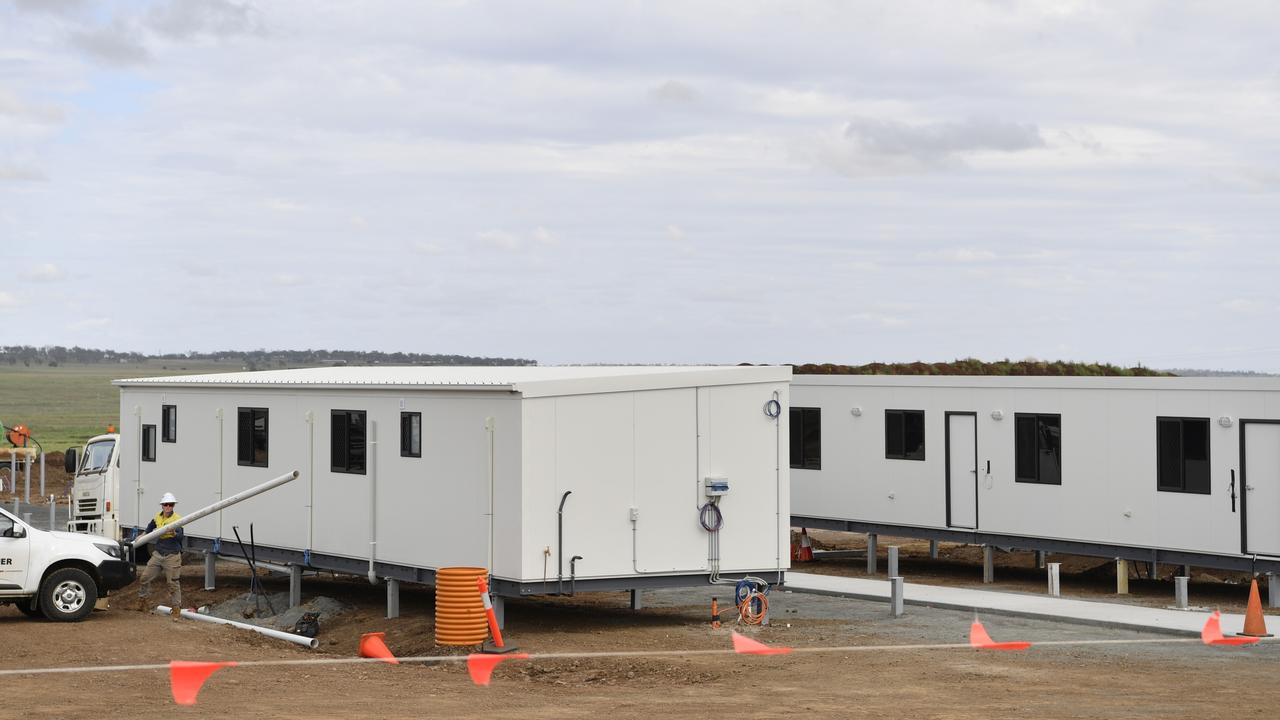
(636, 601)
(1180, 592)
(933, 549)
(893, 561)
(295, 585)
(210, 570)
(871, 553)
(393, 595)
(988, 564)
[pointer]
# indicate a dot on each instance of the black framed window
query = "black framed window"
(169, 423)
(1037, 448)
(347, 447)
(904, 434)
(1182, 455)
(806, 438)
(410, 434)
(252, 428)
(149, 443)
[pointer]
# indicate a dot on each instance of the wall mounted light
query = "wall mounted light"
(1224, 421)
(997, 414)
(856, 411)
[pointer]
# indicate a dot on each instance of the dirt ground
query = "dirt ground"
(1159, 680)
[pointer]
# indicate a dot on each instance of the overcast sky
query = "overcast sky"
(646, 182)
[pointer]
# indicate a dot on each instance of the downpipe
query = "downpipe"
(560, 543)
(373, 500)
(573, 573)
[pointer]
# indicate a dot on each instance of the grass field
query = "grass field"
(65, 405)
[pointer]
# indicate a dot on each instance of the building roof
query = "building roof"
(1028, 382)
(527, 380)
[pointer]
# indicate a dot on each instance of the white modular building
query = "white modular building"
(1163, 469)
(554, 478)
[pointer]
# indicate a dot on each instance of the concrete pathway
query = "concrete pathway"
(1084, 612)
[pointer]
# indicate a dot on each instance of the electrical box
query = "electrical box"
(715, 486)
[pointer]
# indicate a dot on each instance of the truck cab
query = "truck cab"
(96, 486)
(59, 575)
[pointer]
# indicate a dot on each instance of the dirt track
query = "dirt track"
(1166, 680)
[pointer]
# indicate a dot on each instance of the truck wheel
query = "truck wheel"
(68, 595)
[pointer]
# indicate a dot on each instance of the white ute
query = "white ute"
(58, 574)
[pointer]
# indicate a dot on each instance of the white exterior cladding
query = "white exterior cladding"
(616, 437)
(1108, 492)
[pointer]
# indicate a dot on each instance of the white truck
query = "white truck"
(59, 575)
(95, 489)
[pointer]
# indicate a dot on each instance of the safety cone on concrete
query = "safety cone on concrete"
(1254, 625)
(805, 553)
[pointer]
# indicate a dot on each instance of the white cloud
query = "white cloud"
(20, 172)
(674, 92)
(286, 280)
(181, 19)
(119, 43)
(45, 272)
(8, 301)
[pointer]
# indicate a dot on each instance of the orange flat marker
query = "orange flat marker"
(979, 639)
(746, 646)
(480, 665)
(186, 678)
(1211, 633)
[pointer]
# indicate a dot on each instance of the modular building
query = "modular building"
(555, 478)
(1163, 469)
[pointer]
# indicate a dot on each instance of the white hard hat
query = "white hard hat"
(168, 498)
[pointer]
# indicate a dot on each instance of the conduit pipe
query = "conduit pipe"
(210, 509)
(307, 642)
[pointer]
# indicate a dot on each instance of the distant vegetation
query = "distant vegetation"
(55, 355)
(970, 366)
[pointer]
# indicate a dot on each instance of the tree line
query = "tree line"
(972, 366)
(55, 355)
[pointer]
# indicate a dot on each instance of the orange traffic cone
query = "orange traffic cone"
(806, 547)
(1254, 625)
(372, 646)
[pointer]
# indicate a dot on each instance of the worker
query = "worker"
(166, 557)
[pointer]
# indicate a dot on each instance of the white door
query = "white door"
(14, 554)
(962, 470)
(1261, 473)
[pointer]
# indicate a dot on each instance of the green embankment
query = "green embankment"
(65, 405)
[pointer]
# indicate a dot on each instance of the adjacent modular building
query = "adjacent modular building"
(554, 478)
(1176, 470)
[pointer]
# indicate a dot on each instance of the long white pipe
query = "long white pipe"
(238, 497)
(311, 643)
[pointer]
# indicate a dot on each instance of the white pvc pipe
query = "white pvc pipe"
(311, 643)
(210, 509)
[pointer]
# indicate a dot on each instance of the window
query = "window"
(1182, 455)
(149, 443)
(806, 438)
(251, 437)
(169, 423)
(346, 441)
(1037, 448)
(904, 434)
(410, 434)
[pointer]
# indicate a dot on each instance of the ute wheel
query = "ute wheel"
(24, 606)
(68, 595)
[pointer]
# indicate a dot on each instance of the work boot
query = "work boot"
(175, 612)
